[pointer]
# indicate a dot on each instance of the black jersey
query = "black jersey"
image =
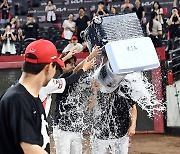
(22, 119)
(114, 120)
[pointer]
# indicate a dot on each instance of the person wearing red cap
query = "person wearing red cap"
(59, 85)
(23, 125)
(74, 44)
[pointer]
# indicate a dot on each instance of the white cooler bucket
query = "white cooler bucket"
(131, 55)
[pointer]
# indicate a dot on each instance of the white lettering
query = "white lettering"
(76, 1)
(147, 3)
(61, 9)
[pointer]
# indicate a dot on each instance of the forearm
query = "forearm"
(3, 37)
(133, 115)
(13, 37)
(175, 3)
(78, 67)
(32, 149)
(74, 77)
(143, 14)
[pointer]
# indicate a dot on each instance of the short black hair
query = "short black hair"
(30, 15)
(101, 2)
(31, 67)
(68, 60)
(81, 8)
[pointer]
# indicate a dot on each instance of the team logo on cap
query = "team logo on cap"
(32, 50)
(54, 57)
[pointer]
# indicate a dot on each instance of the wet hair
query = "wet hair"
(153, 15)
(81, 8)
(159, 6)
(68, 61)
(31, 67)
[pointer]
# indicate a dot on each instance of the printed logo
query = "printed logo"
(54, 57)
(44, 133)
(132, 48)
(32, 50)
(76, 1)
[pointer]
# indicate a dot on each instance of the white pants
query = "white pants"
(51, 14)
(67, 142)
(111, 146)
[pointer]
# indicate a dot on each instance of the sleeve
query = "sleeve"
(64, 23)
(142, 8)
(161, 11)
(147, 29)
(67, 48)
(87, 18)
(22, 121)
(79, 47)
(54, 86)
(74, 77)
(54, 7)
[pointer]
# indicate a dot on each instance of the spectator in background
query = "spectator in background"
(101, 11)
(82, 23)
(157, 8)
(139, 11)
(30, 28)
(14, 22)
(8, 39)
(74, 44)
(174, 23)
(5, 11)
(154, 30)
(113, 11)
(127, 6)
(69, 27)
(50, 10)
(20, 40)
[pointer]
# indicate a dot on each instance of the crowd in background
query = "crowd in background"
(15, 36)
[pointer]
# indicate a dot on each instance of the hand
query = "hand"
(96, 51)
(66, 28)
(87, 64)
(95, 86)
(71, 52)
(131, 131)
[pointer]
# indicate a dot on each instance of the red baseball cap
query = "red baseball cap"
(74, 38)
(45, 51)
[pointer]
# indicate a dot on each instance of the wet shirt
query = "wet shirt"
(70, 105)
(112, 117)
(22, 119)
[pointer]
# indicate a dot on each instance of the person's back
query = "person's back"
(16, 103)
(155, 28)
(23, 125)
